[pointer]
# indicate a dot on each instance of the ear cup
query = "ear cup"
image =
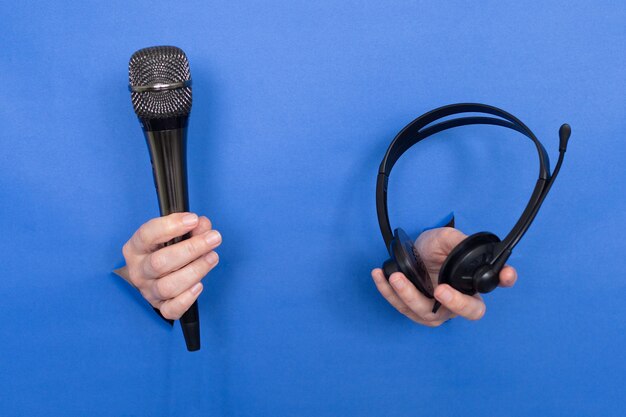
(466, 259)
(405, 259)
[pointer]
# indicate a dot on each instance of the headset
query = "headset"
(474, 264)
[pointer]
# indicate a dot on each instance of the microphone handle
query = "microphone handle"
(168, 157)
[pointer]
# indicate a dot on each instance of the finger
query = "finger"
(508, 276)
(472, 308)
(174, 284)
(174, 257)
(174, 308)
(162, 229)
(390, 295)
(416, 301)
(204, 225)
(433, 320)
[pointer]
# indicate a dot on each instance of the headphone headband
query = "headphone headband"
(419, 129)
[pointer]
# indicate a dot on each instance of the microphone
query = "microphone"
(564, 133)
(160, 85)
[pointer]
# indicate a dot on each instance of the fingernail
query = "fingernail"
(445, 295)
(190, 219)
(211, 258)
(213, 237)
(196, 288)
(397, 282)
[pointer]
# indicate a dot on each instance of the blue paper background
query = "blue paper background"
(294, 105)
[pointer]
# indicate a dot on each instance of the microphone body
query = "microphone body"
(168, 156)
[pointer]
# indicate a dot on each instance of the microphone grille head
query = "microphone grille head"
(160, 66)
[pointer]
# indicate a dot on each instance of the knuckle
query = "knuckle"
(170, 226)
(459, 304)
(447, 232)
(403, 293)
(168, 313)
(126, 251)
(197, 270)
(142, 234)
(157, 262)
(163, 289)
(191, 247)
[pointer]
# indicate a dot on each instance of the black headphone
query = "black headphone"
(474, 264)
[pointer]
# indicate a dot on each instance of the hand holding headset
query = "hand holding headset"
(473, 265)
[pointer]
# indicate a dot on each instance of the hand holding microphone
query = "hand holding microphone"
(160, 85)
(169, 278)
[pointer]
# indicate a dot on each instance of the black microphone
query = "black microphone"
(564, 133)
(160, 85)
